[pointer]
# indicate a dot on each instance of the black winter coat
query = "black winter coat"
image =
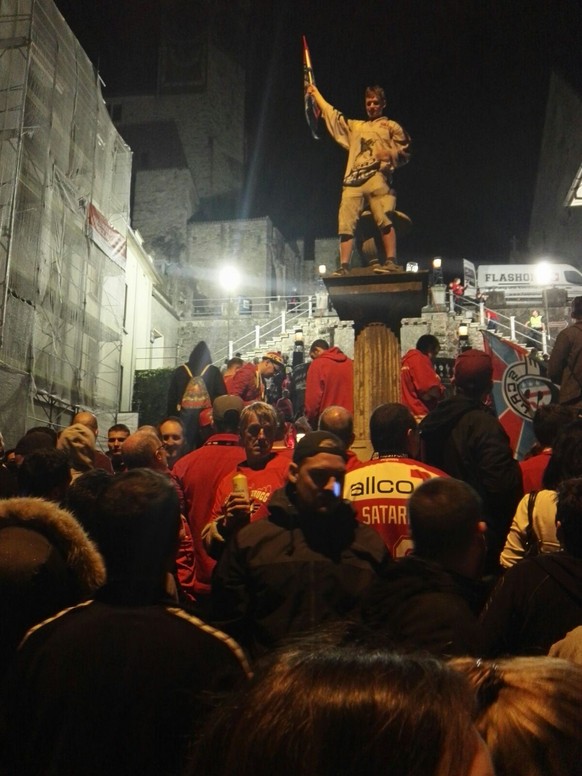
(465, 439)
(291, 572)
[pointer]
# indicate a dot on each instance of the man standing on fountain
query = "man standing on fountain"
(376, 147)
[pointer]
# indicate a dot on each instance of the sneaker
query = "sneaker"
(385, 269)
(343, 270)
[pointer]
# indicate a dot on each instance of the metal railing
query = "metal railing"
(285, 321)
(505, 325)
(283, 316)
(257, 306)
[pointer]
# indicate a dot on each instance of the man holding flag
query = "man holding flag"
(376, 147)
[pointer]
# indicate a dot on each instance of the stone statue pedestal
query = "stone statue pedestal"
(377, 304)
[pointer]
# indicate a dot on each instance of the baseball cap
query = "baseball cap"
(276, 358)
(318, 442)
(224, 404)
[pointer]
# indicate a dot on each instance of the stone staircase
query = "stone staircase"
(328, 327)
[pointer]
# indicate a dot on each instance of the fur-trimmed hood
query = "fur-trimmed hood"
(62, 530)
(47, 563)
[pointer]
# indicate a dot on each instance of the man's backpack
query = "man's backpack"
(195, 396)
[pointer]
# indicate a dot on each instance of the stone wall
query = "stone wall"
(164, 201)
(210, 124)
(556, 227)
(215, 333)
(327, 252)
(444, 326)
(188, 154)
(266, 264)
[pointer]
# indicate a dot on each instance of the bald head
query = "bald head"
(86, 418)
(337, 420)
(144, 450)
(152, 429)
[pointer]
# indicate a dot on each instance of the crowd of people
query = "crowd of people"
(233, 591)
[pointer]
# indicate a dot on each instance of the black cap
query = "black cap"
(318, 442)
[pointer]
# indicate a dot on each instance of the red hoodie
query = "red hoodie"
(330, 382)
(417, 378)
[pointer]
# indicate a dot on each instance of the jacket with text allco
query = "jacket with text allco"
(379, 492)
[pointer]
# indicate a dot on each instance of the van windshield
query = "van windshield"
(573, 277)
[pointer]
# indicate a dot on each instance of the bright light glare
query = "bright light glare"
(437, 262)
(543, 273)
(322, 269)
(229, 278)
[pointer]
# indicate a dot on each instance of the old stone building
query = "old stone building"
(187, 133)
(556, 222)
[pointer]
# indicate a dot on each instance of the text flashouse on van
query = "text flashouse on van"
(510, 277)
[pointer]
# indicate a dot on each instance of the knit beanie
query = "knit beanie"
(78, 442)
(473, 371)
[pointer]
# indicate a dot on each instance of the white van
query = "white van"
(527, 281)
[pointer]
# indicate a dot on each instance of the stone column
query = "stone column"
(377, 304)
(376, 378)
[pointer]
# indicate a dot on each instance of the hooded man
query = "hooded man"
(119, 683)
(47, 563)
(330, 381)
(420, 385)
(463, 437)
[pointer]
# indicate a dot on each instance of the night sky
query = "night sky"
(468, 79)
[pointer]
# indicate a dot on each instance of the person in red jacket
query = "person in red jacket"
(265, 471)
(420, 386)
(248, 381)
(380, 489)
(330, 381)
(201, 471)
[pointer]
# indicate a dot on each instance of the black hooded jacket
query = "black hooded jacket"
(465, 439)
(419, 605)
(292, 571)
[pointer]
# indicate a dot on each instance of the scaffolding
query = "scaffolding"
(64, 209)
